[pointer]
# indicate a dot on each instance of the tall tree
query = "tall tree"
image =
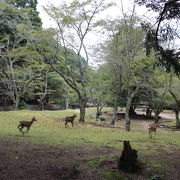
(123, 48)
(174, 91)
(18, 60)
(75, 21)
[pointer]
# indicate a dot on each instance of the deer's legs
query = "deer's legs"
(72, 124)
(20, 127)
(66, 125)
(27, 130)
(150, 134)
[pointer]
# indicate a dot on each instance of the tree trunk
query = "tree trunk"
(97, 112)
(177, 119)
(82, 105)
(156, 116)
(128, 106)
(127, 119)
(132, 111)
(114, 114)
(67, 102)
(16, 103)
(41, 105)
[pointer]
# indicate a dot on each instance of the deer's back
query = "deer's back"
(153, 127)
(70, 118)
(25, 123)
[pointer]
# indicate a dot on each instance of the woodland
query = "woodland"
(132, 74)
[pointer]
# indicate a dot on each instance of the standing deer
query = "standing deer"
(152, 128)
(70, 119)
(26, 124)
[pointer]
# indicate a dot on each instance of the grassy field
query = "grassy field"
(50, 130)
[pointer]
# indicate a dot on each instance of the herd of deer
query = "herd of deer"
(70, 119)
(28, 124)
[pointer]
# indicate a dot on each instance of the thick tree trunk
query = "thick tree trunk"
(128, 106)
(115, 111)
(132, 111)
(16, 103)
(114, 115)
(82, 105)
(67, 102)
(177, 119)
(41, 105)
(97, 112)
(156, 116)
(127, 119)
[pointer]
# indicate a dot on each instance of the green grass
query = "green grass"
(155, 164)
(49, 129)
(113, 176)
(94, 161)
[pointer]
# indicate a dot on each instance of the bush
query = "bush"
(22, 105)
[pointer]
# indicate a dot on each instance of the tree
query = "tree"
(174, 91)
(155, 85)
(59, 92)
(114, 59)
(124, 46)
(32, 11)
(166, 31)
(75, 21)
(100, 89)
(18, 60)
(41, 87)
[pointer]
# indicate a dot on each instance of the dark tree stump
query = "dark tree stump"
(128, 159)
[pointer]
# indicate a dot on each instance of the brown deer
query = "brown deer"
(152, 128)
(26, 124)
(70, 119)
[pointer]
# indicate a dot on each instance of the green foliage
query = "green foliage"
(155, 164)
(22, 105)
(91, 163)
(20, 62)
(30, 6)
(165, 33)
(60, 90)
(154, 177)
(113, 176)
(10, 17)
(100, 81)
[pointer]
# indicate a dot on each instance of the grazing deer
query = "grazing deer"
(152, 128)
(70, 119)
(26, 124)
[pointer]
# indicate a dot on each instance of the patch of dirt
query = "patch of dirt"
(25, 160)
(29, 161)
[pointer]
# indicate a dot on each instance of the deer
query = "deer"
(152, 128)
(70, 119)
(26, 124)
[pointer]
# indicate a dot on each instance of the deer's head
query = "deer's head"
(34, 119)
